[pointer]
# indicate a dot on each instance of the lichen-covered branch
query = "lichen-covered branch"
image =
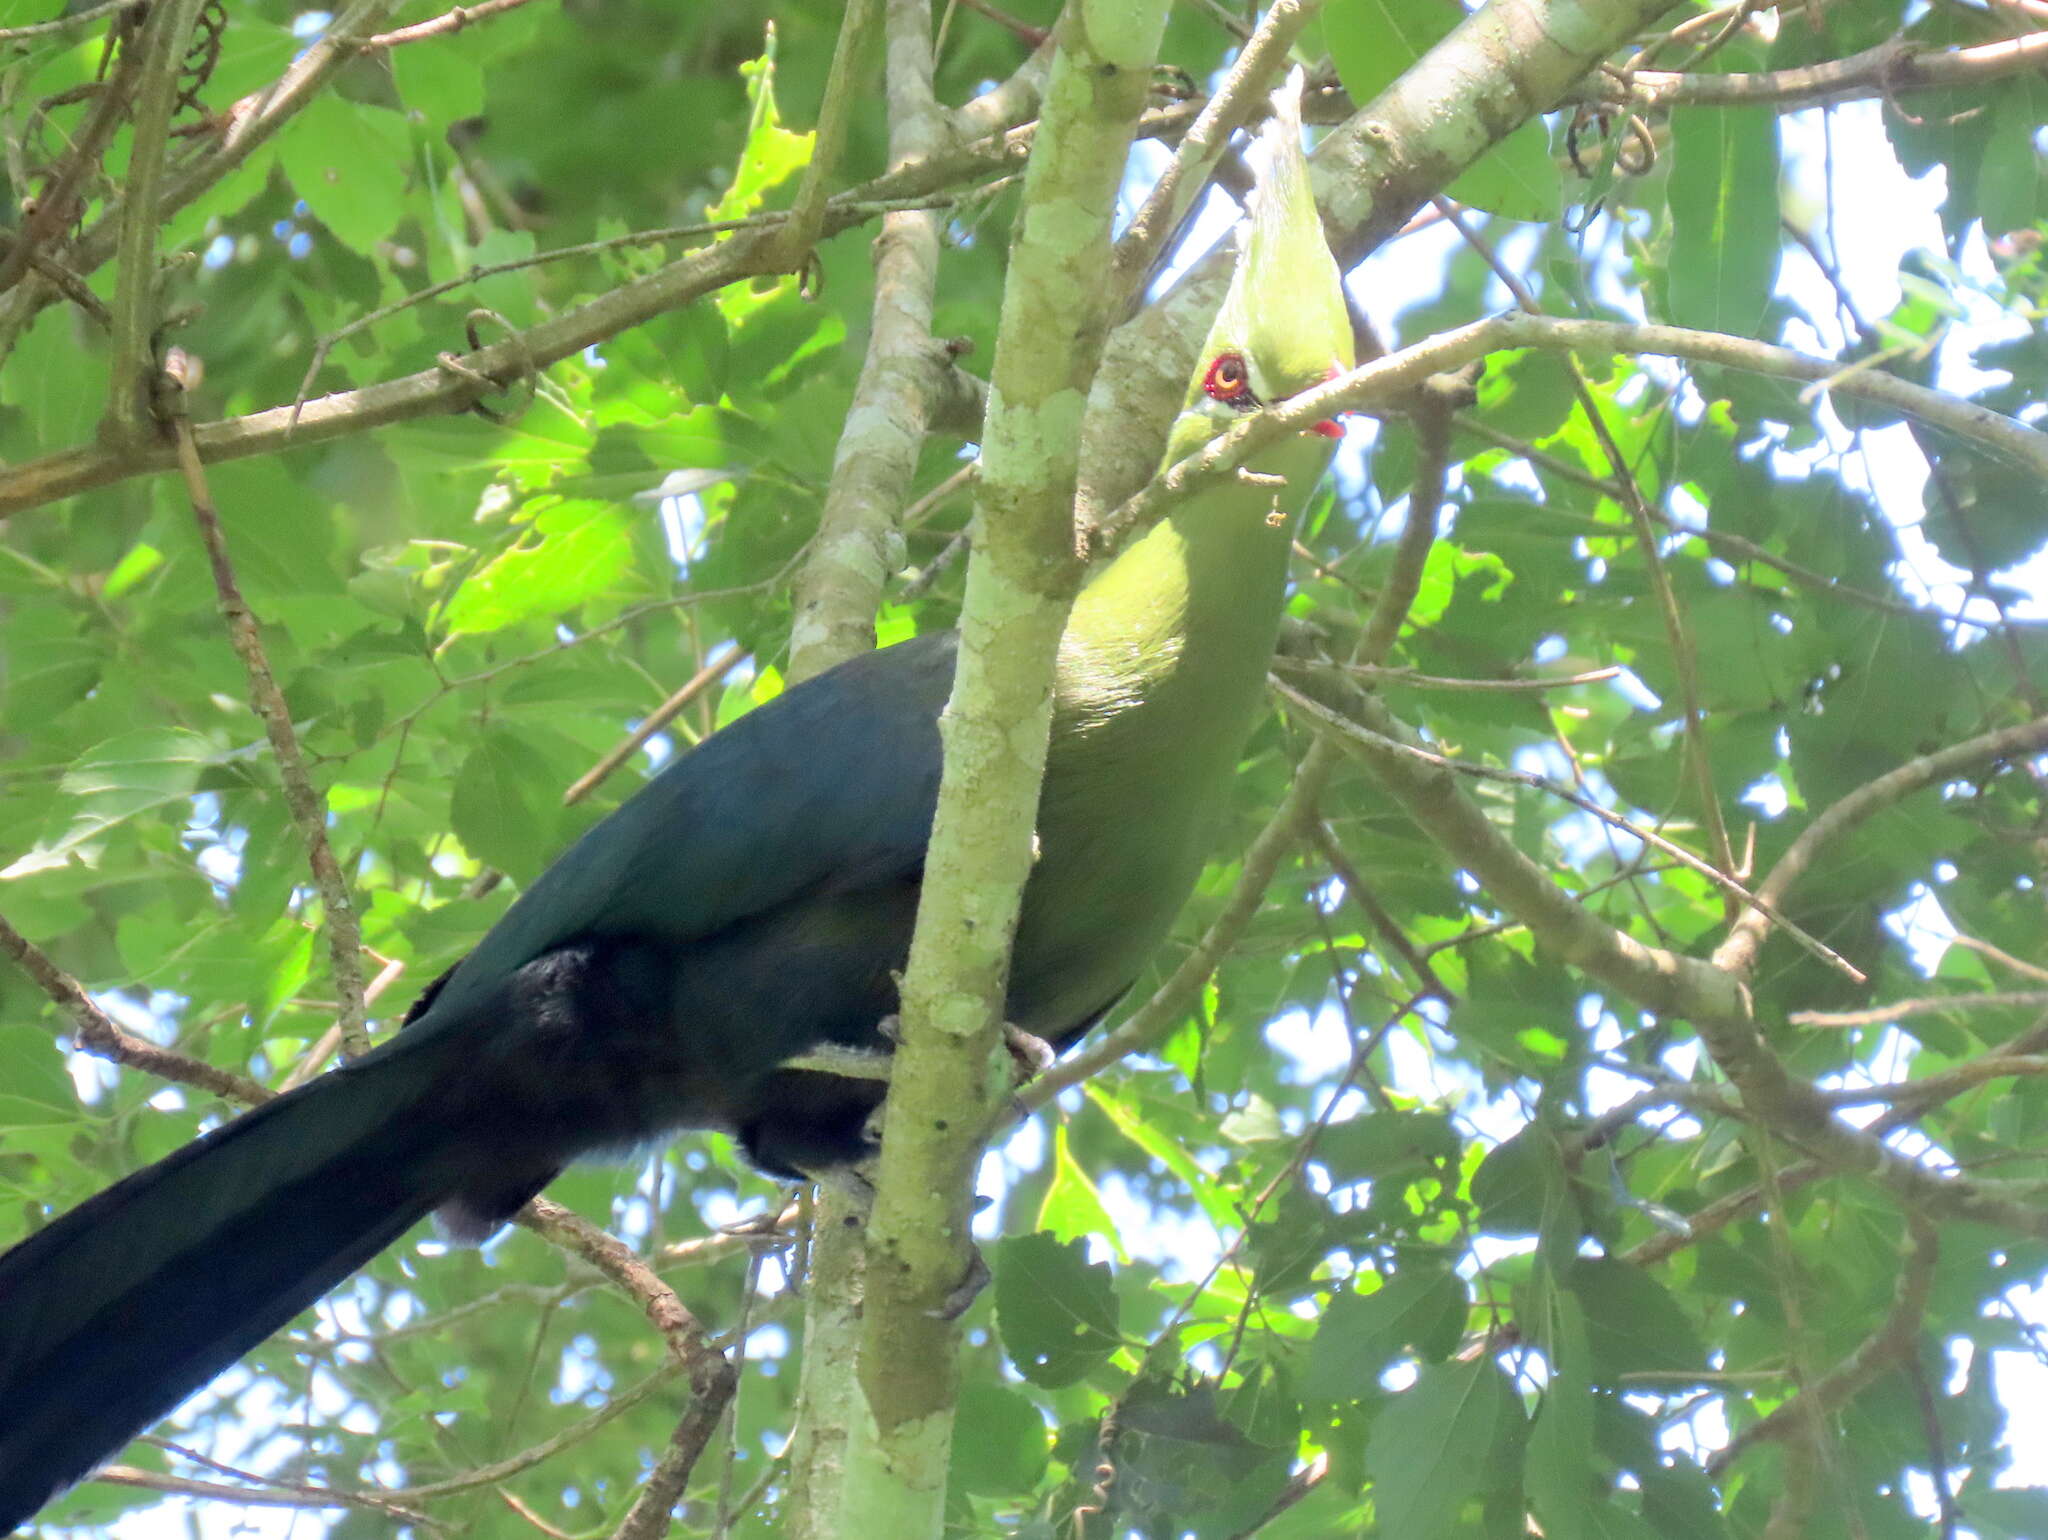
(995, 727)
(839, 587)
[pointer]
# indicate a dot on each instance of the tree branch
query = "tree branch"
(994, 729)
(1737, 954)
(840, 585)
(97, 1033)
(1386, 379)
(308, 807)
(1895, 1339)
(1892, 67)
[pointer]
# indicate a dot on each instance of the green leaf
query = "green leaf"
(1381, 1144)
(50, 666)
(1516, 178)
(1456, 1435)
(573, 551)
(1130, 1120)
(2010, 191)
(773, 153)
(1526, 393)
(1419, 1307)
(1073, 1208)
(1563, 1477)
(118, 780)
(1724, 218)
(1000, 1441)
(1632, 1322)
(1372, 42)
(1560, 1469)
(350, 162)
(443, 83)
(1520, 1187)
(1056, 1311)
(38, 1103)
(506, 804)
(49, 379)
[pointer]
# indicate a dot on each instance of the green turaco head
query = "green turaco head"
(1283, 326)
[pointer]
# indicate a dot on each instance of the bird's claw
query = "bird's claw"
(966, 1291)
(1031, 1055)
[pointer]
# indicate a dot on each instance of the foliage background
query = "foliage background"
(1516, 1247)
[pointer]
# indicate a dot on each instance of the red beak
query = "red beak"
(1329, 427)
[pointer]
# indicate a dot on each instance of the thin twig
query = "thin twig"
(828, 143)
(59, 201)
(1408, 678)
(1241, 95)
(1893, 1340)
(308, 807)
(96, 1033)
(1732, 548)
(616, 1405)
(445, 25)
(1925, 1005)
(2000, 956)
(655, 721)
(1737, 953)
(270, 1496)
(77, 21)
(1338, 723)
(1621, 478)
(773, 219)
(1141, 1031)
(1892, 67)
(1389, 378)
(713, 1379)
(323, 1497)
(1942, 1085)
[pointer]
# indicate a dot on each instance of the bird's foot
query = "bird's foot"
(764, 1226)
(967, 1290)
(856, 1184)
(1031, 1056)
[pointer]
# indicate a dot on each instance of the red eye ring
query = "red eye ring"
(1230, 382)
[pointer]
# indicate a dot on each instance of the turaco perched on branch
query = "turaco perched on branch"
(751, 904)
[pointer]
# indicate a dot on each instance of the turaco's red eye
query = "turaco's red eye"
(1229, 382)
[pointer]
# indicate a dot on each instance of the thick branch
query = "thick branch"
(995, 727)
(839, 587)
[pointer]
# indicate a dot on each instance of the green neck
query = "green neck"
(1161, 672)
(1171, 641)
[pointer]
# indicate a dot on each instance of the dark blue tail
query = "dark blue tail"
(124, 1306)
